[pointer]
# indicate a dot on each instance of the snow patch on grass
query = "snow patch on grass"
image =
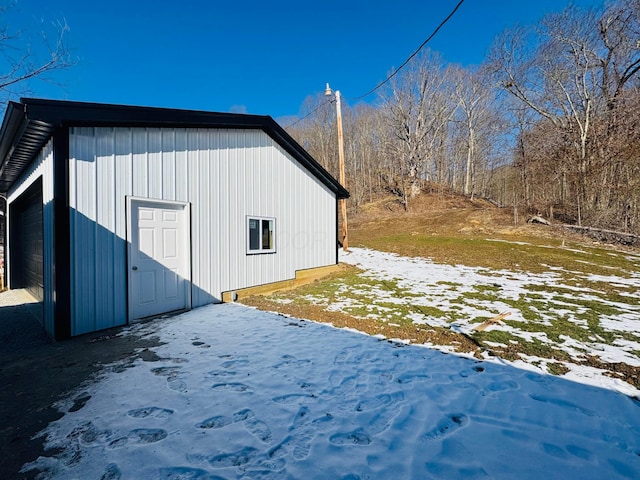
(542, 306)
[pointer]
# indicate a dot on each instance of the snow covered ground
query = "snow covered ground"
(239, 393)
(459, 295)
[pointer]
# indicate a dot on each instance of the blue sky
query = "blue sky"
(257, 56)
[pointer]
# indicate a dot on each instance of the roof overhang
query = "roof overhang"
(29, 124)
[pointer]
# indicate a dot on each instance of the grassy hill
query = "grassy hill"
(451, 229)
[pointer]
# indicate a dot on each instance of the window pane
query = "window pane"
(254, 234)
(267, 234)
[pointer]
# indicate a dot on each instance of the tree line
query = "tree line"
(548, 124)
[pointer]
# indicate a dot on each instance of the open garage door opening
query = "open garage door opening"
(26, 242)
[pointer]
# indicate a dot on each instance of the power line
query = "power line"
(308, 114)
(394, 72)
(412, 55)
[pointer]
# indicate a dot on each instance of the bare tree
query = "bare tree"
(580, 66)
(317, 132)
(416, 107)
(363, 153)
(476, 115)
(619, 53)
(22, 63)
(557, 80)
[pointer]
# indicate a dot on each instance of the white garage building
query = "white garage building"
(116, 213)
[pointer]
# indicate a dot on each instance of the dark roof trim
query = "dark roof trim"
(29, 124)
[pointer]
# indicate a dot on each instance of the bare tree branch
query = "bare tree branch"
(23, 63)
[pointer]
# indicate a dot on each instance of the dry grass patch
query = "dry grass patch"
(418, 334)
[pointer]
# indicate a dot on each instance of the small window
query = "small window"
(261, 235)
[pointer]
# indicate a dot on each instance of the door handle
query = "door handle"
(134, 268)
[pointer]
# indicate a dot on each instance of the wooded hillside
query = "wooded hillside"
(549, 124)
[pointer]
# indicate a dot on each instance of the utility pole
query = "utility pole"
(343, 201)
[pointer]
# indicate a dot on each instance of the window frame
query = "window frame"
(261, 249)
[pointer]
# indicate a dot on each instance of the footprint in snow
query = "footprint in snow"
(410, 377)
(186, 473)
(147, 435)
(302, 444)
(554, 450)
(323, 423)
(221, 373)
(267, 465)
(139, 436)
(166, 371)
(88, 434)
(178, 360)
(382, 421)
(472, 371)
(155, 412)
(117, 443)
(254, 425)
(265, 475)
(342, 384)
(624, 469)
(383, 400)
(446, 427)
(233, 459)
(580, 452)
(232, 387)
(292, 398)
(112, 472)
(173, 381)
(356, 437)
(301, 418)
(177, 385)
(79, 402)
(306, 386)
(344, 356)
(215, 422)
(235, 363)
(502, 386)
(238, 362)
(563, 404)
(290, 360)
(298, 445)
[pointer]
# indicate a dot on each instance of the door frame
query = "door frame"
(150, 202)
(15, 271)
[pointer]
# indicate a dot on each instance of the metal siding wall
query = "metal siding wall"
(182, 177)
(41, 167)
(47, 223)
(206, 213)
(123, 187)
(226, 261)
(275, 185)
(218, 265)
(83, 158)
(82, 240)
(154, 159)
(192, 194)
(225, 175)
(168, 152)
(140, 172)
(105, 230)
(100, 167)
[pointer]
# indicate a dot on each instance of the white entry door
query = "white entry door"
(159, 257)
